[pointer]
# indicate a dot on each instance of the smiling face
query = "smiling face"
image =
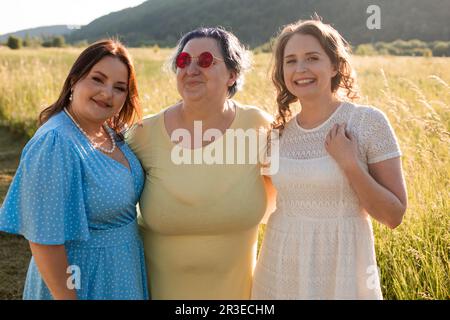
(195, 83)
(101, 94)
(307, 69)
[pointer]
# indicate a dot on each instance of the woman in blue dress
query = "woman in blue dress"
(74, 194)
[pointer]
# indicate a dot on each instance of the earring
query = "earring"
(71, 95)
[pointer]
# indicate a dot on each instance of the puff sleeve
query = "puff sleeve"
(45, 201)
(379, 140)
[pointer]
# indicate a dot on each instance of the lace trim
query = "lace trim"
(375, 136)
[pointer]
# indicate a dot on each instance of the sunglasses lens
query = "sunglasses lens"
(205, 59)
(183, 60)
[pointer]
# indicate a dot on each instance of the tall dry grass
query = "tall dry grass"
(414, 93)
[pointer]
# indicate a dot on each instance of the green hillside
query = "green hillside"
(255, 21)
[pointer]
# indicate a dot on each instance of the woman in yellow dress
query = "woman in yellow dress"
(202, 203)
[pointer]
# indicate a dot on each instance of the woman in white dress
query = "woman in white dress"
(339, 165)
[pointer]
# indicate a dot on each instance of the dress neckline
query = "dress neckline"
(318, 127)
(168, 138)
(119, 145)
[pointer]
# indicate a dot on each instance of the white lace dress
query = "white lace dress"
(319, 242)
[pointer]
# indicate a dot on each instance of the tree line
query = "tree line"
(397, 48)
(16, 43)
(405, 48)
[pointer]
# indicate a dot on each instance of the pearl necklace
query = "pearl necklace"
(95, 145)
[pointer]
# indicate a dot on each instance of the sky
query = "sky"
(17, 15)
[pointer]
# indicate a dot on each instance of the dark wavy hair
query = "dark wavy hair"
(131, 110)
(236, 57)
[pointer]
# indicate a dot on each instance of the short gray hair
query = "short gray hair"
(236, 56)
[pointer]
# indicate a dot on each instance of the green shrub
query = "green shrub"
(14, 43)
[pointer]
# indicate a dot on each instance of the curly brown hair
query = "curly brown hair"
(336, 48)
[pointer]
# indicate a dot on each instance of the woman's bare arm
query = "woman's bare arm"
(52, 264)
(382, 190)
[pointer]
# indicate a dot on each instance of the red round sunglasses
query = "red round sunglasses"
(204, 60)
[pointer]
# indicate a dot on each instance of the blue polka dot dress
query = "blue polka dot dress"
(67, 192)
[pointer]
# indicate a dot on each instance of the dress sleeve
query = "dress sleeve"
(379, 140)
(45, 201)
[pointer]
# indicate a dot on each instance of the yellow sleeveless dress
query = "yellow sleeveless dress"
(199, 221)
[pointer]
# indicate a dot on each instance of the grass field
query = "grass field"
(14, 252)
(414, 93)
